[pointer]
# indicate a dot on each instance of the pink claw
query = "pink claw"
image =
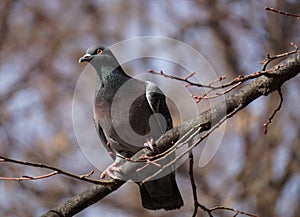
(149, 144)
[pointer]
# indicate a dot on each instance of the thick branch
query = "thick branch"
(261, 86)
(83, 200)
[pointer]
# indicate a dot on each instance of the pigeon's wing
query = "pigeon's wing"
(104, 140)
(157, 102)
(163, 192)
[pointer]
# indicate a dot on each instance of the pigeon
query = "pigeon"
(128, 116)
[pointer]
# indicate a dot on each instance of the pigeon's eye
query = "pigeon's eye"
(99, 51)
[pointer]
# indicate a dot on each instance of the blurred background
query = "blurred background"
(41, 42)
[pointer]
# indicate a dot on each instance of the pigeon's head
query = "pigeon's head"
(95, 51)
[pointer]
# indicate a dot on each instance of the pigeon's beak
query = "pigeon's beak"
(85, 58)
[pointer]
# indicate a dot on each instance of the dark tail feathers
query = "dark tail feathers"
(162, 193)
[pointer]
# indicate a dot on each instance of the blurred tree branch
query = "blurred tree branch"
(261, 86)
(282, 12)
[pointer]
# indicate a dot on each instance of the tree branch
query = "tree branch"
(55, 170)
(282, 12)
(261, 86)
(83, 200)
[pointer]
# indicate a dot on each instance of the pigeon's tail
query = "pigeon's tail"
(162, 193)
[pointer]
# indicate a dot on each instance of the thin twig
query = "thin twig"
(56, 170)
(270, 58)
(195, 197)
(274, 112)
(211, 85)
(194, 188)
(186, 79)
(217, 94)
(231, 85)
(282, 12)
(23, 178)
(232, 210)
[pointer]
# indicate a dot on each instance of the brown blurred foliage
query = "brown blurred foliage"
(40, 44)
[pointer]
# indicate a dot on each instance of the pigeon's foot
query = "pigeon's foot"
(109, 171)
(149, 144)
